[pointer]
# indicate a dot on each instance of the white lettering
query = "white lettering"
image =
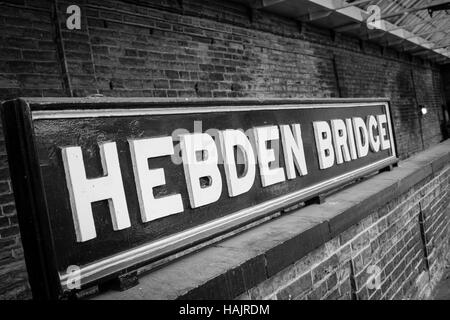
(384, 139)
(324, 144)
(195, 169)
(339, 132)
(269, 176)
(84, 191)
(294, 154)
(361, 139)
(374, 140)
(230, 139)
(146, 179)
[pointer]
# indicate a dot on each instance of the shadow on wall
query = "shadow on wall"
(406, 102)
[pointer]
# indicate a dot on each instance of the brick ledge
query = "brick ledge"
(229, 268)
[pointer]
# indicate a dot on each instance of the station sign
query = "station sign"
(107, 185)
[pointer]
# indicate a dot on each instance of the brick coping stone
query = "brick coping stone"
(228, 268)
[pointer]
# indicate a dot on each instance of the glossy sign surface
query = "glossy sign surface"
(58, 126)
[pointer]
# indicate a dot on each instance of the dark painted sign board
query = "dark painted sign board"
(105, 185)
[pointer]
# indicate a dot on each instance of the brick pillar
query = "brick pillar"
(28, 67)
(13, 275)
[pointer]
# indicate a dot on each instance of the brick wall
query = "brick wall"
(28, 67)
(207, 49)
(194, 48)
(13, 275)
(405, 242)
(219, 49)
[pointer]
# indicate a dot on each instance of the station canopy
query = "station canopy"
(418, 27)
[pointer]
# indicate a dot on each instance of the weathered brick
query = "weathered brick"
(296, 288)
(4, 187)
(9, 232)
(318, 292)
(9, 209)
(325, 268)
(211, 51)
(4, 222)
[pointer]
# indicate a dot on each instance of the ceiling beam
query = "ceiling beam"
(348, 27)
(395, 43)
(401, 41)
(441, 40)
(422, 54)
(425, 55)
(423, 51)
(410, 10)
(414, 24)
(431, 55)
(447, 45)
(422, 43)
(438, 7)
(259, 4)
(320, 14)
(446, 28)
(379, 33)
(358, 25)
(312, 16)
(353, 4)
(443, 60)
(374, 35)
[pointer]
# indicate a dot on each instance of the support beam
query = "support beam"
(353, 4)
(325, 13)
(441, 46)
(441, 7)
(422, 42)
(374, 35)
(395, 43)
(436, 45)
(426, 53)
(443, 60)
(445, 55)
(417, 23)
(260, 4)
(410, 10)
(445, 29)
(431, 50)
(312, 16)
(348, 27)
